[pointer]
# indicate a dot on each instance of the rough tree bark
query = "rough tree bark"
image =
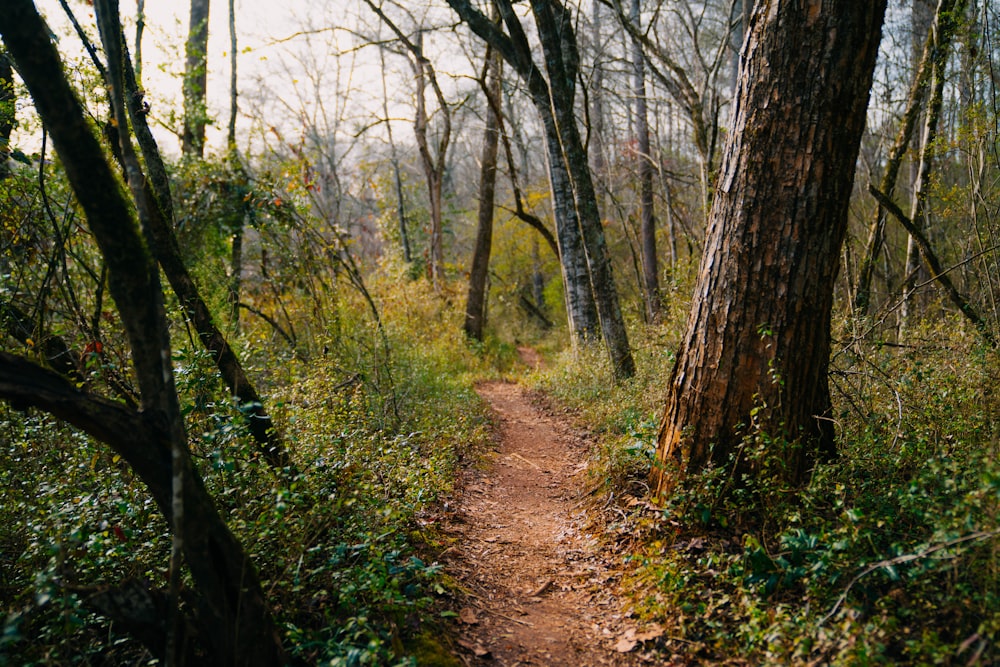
(475, 304)
(757, 346)
(236, 625)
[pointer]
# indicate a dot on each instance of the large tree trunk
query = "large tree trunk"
(231, 609)
(475, 305)
(196, 81)
(757, 346)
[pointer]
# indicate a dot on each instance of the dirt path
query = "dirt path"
(541, 592)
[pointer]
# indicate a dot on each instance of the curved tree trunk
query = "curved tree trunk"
(237, 625)
(757, 346)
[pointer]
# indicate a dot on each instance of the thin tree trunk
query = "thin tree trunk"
(140, 26)
(596, 134)
(756, 351)
(937, 271)
(196, 81)
(939, 39)
(7, 98)
(397, 176)
(156, 188)
(647, 227)
(475, 308)
(236, 251)
(932, 116)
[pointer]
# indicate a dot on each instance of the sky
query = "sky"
(287, 64)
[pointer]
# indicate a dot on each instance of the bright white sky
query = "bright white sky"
(286, 51)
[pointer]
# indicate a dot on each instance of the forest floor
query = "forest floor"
(540, 587)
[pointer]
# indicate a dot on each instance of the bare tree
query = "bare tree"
(578, 219)
(433, 161)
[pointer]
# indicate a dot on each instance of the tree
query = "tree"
(690, 71)
(647, 228)
(574, 200)
(234, 625)
(475, 308)
(433, 162)
(757, 345)
(195, 80)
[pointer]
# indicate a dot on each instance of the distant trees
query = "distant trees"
(591, 294)
(757, 346)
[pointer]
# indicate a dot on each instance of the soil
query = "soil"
(540, 589)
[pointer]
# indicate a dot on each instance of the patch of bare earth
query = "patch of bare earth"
(540, 589)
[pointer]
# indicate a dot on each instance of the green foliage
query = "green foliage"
(376, 421)
(889, 556)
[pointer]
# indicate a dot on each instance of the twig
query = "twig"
(531, 463)
(905, 558)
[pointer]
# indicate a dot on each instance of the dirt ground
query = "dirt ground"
(540, 589)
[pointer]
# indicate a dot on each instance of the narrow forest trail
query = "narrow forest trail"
(540, 589)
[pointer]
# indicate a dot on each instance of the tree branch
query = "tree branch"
(934, 266)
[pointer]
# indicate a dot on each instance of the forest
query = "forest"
(499, 332)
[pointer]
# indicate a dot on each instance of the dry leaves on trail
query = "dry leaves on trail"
(541, 591)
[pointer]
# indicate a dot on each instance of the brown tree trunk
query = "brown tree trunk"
(475, 306)
(231, 609)
(757, 346)
(195, 80)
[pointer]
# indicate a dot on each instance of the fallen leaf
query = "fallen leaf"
(468, 616)
(625, 645)
(477, 649)
(654, 631)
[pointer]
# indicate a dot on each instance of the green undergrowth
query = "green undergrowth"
(377, 422)
(889, 556)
